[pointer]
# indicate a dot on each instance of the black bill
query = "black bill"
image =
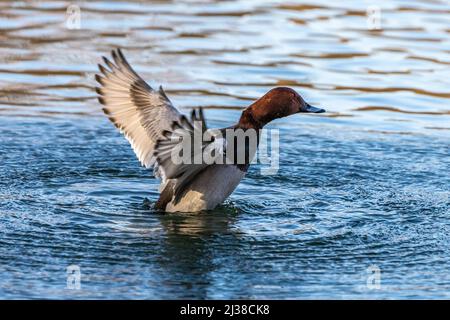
(310, 108)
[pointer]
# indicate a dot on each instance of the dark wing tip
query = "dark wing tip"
(184, 121)
(103, 69)
(163, 93)
(113, 120)
(99, 79)
(108, 63)
(106, 111)
(175, 125)
(101, 100)
(166, 134)
(120, 54)
(202, 118)
(114, 54)
(99, 91)
(124, 61)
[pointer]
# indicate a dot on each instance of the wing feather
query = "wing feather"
(185, 172)
(136, 109)
(148, 120)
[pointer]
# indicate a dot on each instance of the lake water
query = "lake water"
(362, 193)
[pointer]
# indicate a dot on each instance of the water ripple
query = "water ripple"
(366, 183)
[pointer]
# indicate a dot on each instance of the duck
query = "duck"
(152, 125)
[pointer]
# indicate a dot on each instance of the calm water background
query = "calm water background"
(365, 184)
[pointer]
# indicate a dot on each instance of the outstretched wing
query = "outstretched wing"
(197, 115)
(136, 109)
(148, 120)
(203, 148)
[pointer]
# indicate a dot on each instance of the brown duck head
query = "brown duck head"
(277, 103)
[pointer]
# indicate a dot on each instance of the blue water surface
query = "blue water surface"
(358, 209)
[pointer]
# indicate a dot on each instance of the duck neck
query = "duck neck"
(249, 121)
